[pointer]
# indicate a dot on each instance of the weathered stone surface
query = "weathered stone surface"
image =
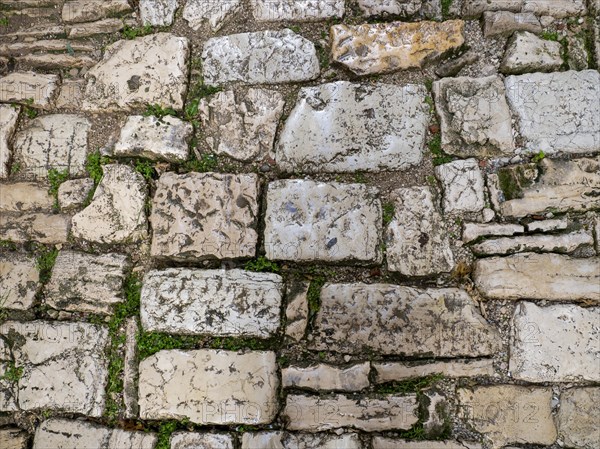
(297, 11)
(557, 112)
(388, 47)
(156, 139)
(555, 8)
(296, 312)
(548, 225)
(454, 326)
(509, 414)
(24, 196)
(563, 243)
(73, 193)
(394, 443)
(197, 12)
(158, 12)
(578, 417)
(285, 440)
(370, 415)
(215, 215)
(473, 231)
(71, 94)
(58, 141)
(64, 367)
(209, 386)
(345, 127)
(13, 438)
(474, 116)
(325, 377)
(528, 53)
(391, 7)
(463, 186)
(83, 282)
(550, 277)
(71, 434)
(44, 228)
(474, 8)
(557, 343)
(105, 26)
(453, 66)
(16, 48)
(116, 213)
(8, 124)
(243, 127)
(308, 221)
(88, 10)
(23, 87)
(417, 241)
(134, 73)
(189, 440)
(56, 61)
(577, 53)
(216, 302)
(258, 58)
(497, 23)
(20, 281)
(131, 368)
(393, 371)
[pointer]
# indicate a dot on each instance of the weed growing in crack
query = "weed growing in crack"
(388, 213)
(45, 263)
(12, 373)
(439, 156)
(135, 32)
(56, 178)
(158, 111)
(261, 265)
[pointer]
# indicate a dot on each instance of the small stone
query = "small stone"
(387, 47)
(548, 225)
(392, 7)
(20, 281)
(216, 216)
(528, 53)
(89, 10)
(310, 221)
(24, 197)
(189, 440)
(488, 214)
(244, 127)
(578, 417)
(397, 371)
(130, 369)
(116, 213)
(46, 228)
(13, 439)
(504, 23)
(296, 312)
(437, 412)
(325, 377)
(73, 193)
(394, 443)
(473, 231)
(474, 8)
(417, 240)
(563, 243)
(554, 343)
(452, 67)
(578, 56)
(555, 8)
(152, 138)
(463, 186)
(33, 89)
(8, 124)
(105, 26)
(158, 12)
(297, 11)
(197, 12)
(71, 94)
(264, 57)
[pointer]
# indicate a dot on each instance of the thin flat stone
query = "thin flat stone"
(105, 26)
(131, 368)
(498, 23)
(555, 8)
(8, 124)
(325, 377)
(296, 10)
(56, 61)
(578, 417)
(89, 10)
(548, 225)
(287, 440)
(50, 229)
(189, 440)
(473, 231)
(24, 197)
(394, 443)
(563, 243)
(34, 89)
(13, 438)
(20, 281)
(396, 371)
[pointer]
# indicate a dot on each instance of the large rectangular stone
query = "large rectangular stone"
(393, 371)
(20, 281)
(562, 243)
(287, 440)
(395, 443)
(296, 10)
(215, 302)
(24, 196)
(34, 89)
(45, 228)
(578, 417)
(326, 377)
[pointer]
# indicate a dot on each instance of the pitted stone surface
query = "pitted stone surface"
(116, 213)
(205, 215)
(557, 343)
(474, 116)
(350, 316)
(29, 87)
(563, 243)
(8, 124)
(156, 139)
(189, 440)
(197, 12)
(158, 12)
(20, 281)
(309, 221)
(134, 73)
(325, 377)
(64, 367)
(557, 112)
(296, 10)
(216, 302)
(548, 225)
(73, 193)
(242, 127)
(387, 47)
(286, 440)
(264, 57)
(578, 417)
(417, 241)
(24, 196)
(345, 127)
(506, 22)
(89, 10)
(391, 7)
(40, 227)
(209, 386)
(528, 53)
(393, 371)
(463, 186)
(473, 231)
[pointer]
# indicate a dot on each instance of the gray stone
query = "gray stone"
(105, 26)
(244, 127)
(578, 417)
(473, 231)
(309, 221)
(73, 193)
(116, 213)
(44, 228)
(548, 225)
(13, 438)
(474, 116)
(296, 10)
(452, 67)
(396, 371)
(557, 112)
(34, 89)
(216, 216)
(24, 197)
(20, 281)
(463, 186)
(551, 277)
(474, 8)
(197, 12)
(88, 10)
(345, 127)
(209, 386)
(391, 7)
(8, 124)
(216, 302)
(189, 440)
(286, 440)
(264, 57)
(555, 8)
(436, 411)
(71, 94)
(296, 312)
(501, 23)
(452, 320)
(394, 443)
(556, 343)
(158, 12)
(130, 369)
(578, 55)
(562, 243)
(166, 139)
(56, 61)
(528, 53)
(417, 240)
(325, 377)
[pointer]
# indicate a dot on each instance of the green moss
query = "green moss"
(15, 168)
(435, 147)
(237, 344)
(94, 164)
(538, 157)
(135, 32)
(360, 178)
(262, 264)
(30, 112)
(12, 373)
(149, 343)
(318, 279)
(145, 168)
(45, 263)
(388, 213)
(56, 178)
(164, 434)
(446, 4)
(158, 111)
(413, 385)
(512, 180)
(549, 35)
(4, 21)
(207, 163)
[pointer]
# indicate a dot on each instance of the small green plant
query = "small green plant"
(29, 110)
(323, 55)
(431, 180)
(538, 157)
(164, 434)
(549, 35)
(262, 264)
(94, 164)
(45, 263)
(12, 373)
(295, 28)
(8, 245)
(360, 178)
(158, 111)
(150, 343)
(145, 168)
(134, 32)
(56, 178)
(446, 4)
(208, 162)
(388, 213)
(435, 146)
(410, 385)
(318, 279)
(4, 21)
(429, 102)
(15, 168)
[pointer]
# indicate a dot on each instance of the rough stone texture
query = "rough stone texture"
(296, 10)
(474, 8)
(22, 87)
(243, 127)
(285, 440)
(73, 193)
(473, 231)
(345, 127)
(296, 312)
(158, 12)
(205, 215)
(393, 371)
(216, 302)
(189, 440)
(71, 94)
(528, 53)
(474, 116)
(500, 23)
(308, 221)
(88, 10)
(209, 386)
(393, 443)
(558, 343)
(557, 112)
(134, 73)
(417, 241)
(83, 282)
(71, 434)
(563, 243)
(576, 49)
(325, 377)
(463, 186)
(257, 58)
(56, 141)
(453, 66)
(8, 124)
(387, 47)
(370, 415)
(197, 12)
(13, 438)
(453, 324)
(20, 281)
(44, 228)
(548, 225)
(116, 213)
(578, 417)
(131, 368)
(391, 7)
(64, 367)
(105, 26)
(555, 8)
(509, 414)
(155, 139)
(550, 277)
(24, 196)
